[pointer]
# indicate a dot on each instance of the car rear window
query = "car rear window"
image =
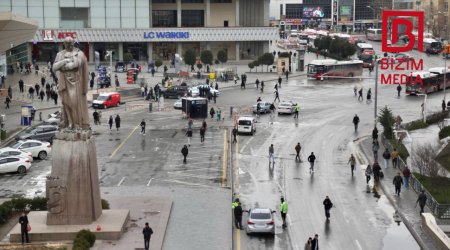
(260, 216)
(245, 122)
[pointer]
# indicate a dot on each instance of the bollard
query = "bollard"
(231, 112)
(150, 106)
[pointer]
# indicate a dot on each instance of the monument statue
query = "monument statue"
(72, 85)
(72, 188)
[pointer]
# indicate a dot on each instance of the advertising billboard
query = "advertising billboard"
(345, 10)
(313, 12)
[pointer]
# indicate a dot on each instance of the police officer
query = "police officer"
(238, 216)
(283, 211)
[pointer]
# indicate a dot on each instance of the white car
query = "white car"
(286, 108)
(37, 148)
(6, 152)
(178, 104)
(246, 124)
(54, 118)
(196, 92)
(14, 164)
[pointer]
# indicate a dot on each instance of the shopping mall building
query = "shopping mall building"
(148, 29)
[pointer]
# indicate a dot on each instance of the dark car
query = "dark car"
(41, 132)
(175, 92)
(120, 67)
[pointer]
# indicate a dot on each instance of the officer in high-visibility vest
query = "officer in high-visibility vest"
(235, 203)
(283, 210)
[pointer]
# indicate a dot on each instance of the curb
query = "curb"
(408, 224)
(8, 140)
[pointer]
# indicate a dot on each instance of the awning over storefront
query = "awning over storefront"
(15, 30)
(159, 34)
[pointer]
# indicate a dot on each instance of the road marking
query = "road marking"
(238, 239)
(148, 184)
(357, 243)
(194, 175)
(121, 181)
(224, 159)
(123, 142)
(25, 183)
(183, 182)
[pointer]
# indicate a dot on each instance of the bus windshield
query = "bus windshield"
(436, 45)
(312, 69)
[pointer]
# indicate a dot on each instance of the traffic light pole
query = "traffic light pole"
(376, 93)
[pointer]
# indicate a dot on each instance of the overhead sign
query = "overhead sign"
(48, 35)
(293, 21)
(62, 35)
(167, 35)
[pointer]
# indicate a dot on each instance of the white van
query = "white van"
(246, 124)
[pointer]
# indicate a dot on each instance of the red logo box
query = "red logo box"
(398, 18)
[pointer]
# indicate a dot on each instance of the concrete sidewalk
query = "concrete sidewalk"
(405, 204)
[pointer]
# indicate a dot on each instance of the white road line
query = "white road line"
(121, 181)
(359, 246)
(281, 189)
(185, 183)
(25, 183)
(194, 176)
(148, 183)
(193, 163)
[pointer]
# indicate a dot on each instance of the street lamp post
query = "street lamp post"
(376, 94)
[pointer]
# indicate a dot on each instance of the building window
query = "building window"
(446, 6)
(221, 1)
(192, 18)
(164, 18)
(164, 1)
(191, 1)
(75, 18)
(294, 10)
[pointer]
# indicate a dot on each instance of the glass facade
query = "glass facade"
(164, 18)
(192, 18)
(138, 50)
(75, 18)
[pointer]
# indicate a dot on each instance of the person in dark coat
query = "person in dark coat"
(43, 81)
(91, 83)
(202, 134)
(422, 200)
(7, 102)
(327, 204)
(238, 216)
(41, 95)
(443, 105)
(235, 132)
(21, 85)
(212, 112)
(55, 97)
(375, 133)
(185, 152)
(143, 126)
(23, 221)
(110, 122)
(117, 120)
(279, 81)
(37, 87)
(398, 182)
(315, 243)
(10, 92)
(147, 232)
(95, 115)
(355, 122)
(376, 169)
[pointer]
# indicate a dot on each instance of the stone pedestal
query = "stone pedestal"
(72, 188)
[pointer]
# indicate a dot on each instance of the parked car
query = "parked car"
(286, 107)
(54, 118)
(7, 151)
(196, 92)
(402, 57)
(178, 104)
(38, 149)
(260, 220)
(40, 132)
(265, 107)
(120, 67)
(14, 164)
(105, 100)
(246, 124)
(175, 92)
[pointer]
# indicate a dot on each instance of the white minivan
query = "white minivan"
(246, 124)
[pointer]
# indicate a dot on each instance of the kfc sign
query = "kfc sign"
(62, 35)
(404, 18)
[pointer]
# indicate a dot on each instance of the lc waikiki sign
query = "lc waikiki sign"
(166, 35)
(392, 20)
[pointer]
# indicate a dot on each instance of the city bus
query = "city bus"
(441, 73)
(330, 68)
(432, 46)
(363, 48)
(429, 83)
(374, 34)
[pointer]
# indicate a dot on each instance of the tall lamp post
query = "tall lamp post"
(374, 15)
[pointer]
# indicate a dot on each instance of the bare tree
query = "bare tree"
(424, 159)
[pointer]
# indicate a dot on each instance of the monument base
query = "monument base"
(112, 223)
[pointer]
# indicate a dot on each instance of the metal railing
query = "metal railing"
(441, 211)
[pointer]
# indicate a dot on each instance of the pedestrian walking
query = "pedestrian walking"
(376, 169)
(406, 176)
(219, 113)
(24, 228)
(355, 122)
(327, 204)
(399, 89)
(212, 112)
(147, 232)
(360, 94)
(21, 85)
(235, 132)
(298, 147)
(283, 211)
(422, 200)
(257, 83)
(315, 242)
(202, 134)
(308, 244)
(41, 95)
(262, 86)
(279, 81)
(355, 90)
(271, 152)
(185, 152)
(110, 122)
(189, 136)
(352, 162)
(91, 83)
(238, 211)
(95, 115)
(37, 88)
(311, 160)
(394, 157)
(55, 97)
(386, 158)
(369, 96)
(375, 134)
(143, 126)
(398, 182)
(215, 97)
(296, 110)
(287, 76)
(117, 120)
(443, 105)
(368, 173)
(276, 96)
(190, 123)
(7, 102)
(31, 93)
(43, 81)
(10, 92)
(375, 148)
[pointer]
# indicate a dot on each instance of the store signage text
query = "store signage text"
(62, 35)
(398, 66)
(176, 35)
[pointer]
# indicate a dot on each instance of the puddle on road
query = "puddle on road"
(397, 236)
